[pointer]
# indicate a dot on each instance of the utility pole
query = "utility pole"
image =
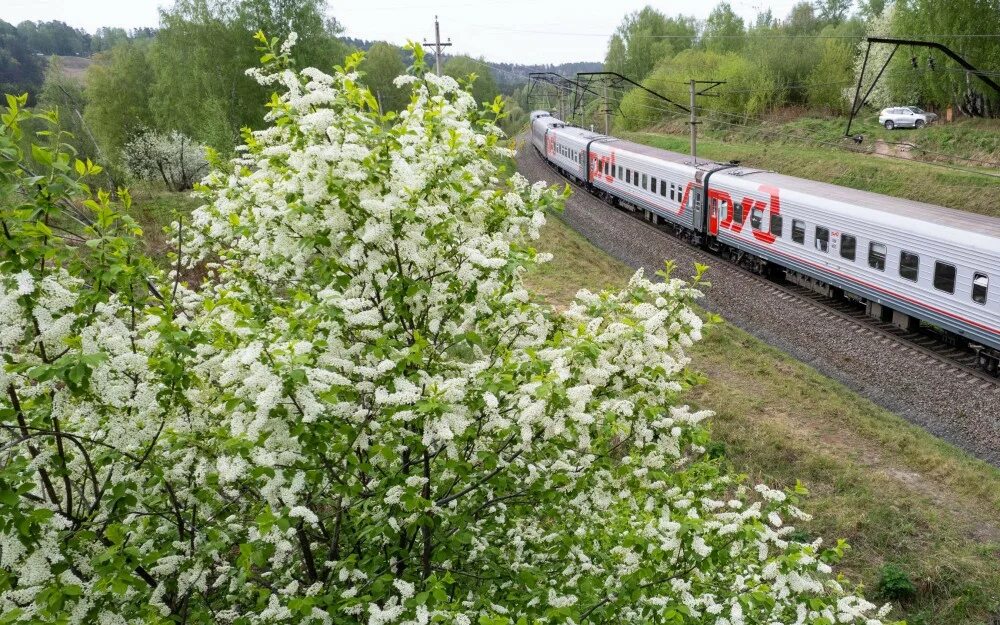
(437, 44)
(694, 126)
(607, 111)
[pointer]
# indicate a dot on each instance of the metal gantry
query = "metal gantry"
(566, 88)
(857, 104)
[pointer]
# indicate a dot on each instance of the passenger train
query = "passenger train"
(907, 262)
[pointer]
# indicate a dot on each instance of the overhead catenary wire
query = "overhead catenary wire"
(784, 135)
(758, 131)
(776, 133)
(748, 35)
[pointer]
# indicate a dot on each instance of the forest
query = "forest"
(809, 59)
(152, 99)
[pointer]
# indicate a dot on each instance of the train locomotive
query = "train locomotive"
(909, 263)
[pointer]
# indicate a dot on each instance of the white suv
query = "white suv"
(903, 116)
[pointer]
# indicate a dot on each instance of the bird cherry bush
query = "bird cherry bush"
(359, 414)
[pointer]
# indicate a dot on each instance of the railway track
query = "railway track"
(922, 347)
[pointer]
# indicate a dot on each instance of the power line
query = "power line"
(500, 69)
(794, 86)
(777, 133)
(749, 34)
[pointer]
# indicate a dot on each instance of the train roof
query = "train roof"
(638, 148)
(921, 211)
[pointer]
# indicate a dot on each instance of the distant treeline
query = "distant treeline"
(23, 49)
(811, 58)
(508, 76)
(156, 95)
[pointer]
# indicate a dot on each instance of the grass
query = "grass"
(154, 210)
(969, 142)
(905, 500)
(915, 180)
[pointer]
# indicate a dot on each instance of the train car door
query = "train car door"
(698, 211)
(713, 217)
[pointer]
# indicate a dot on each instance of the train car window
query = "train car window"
(944, 277)
(776, 224)
(909, 266)
(652, 184)
(628, 176)
(672, 191)
(620, 168)
(876, 256)
(980, 285)
(738, 213)
(756, 218)
(822, 238)
(644, 181)
(848, 247)
(663, 188)
(799, 231)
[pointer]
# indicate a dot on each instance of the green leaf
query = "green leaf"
(41, 155)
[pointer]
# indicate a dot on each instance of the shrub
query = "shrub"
(895, 584)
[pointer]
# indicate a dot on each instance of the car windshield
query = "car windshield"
(916, 109)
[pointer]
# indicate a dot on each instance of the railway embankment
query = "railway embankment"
(906, 500)
(960, 408)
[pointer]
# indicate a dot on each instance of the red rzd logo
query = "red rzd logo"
(722, 201)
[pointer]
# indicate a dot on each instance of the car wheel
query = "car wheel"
(889, 125)
(919, 123)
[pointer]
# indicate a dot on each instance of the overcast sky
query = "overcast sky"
(521, 31)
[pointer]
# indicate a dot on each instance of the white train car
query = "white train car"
(666, 187)
(541, 121)
(566, 148)
(907, 261)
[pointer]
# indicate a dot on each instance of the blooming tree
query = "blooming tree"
(360, 415)
(174, 158)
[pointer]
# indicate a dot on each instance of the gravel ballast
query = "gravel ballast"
(955, 406)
